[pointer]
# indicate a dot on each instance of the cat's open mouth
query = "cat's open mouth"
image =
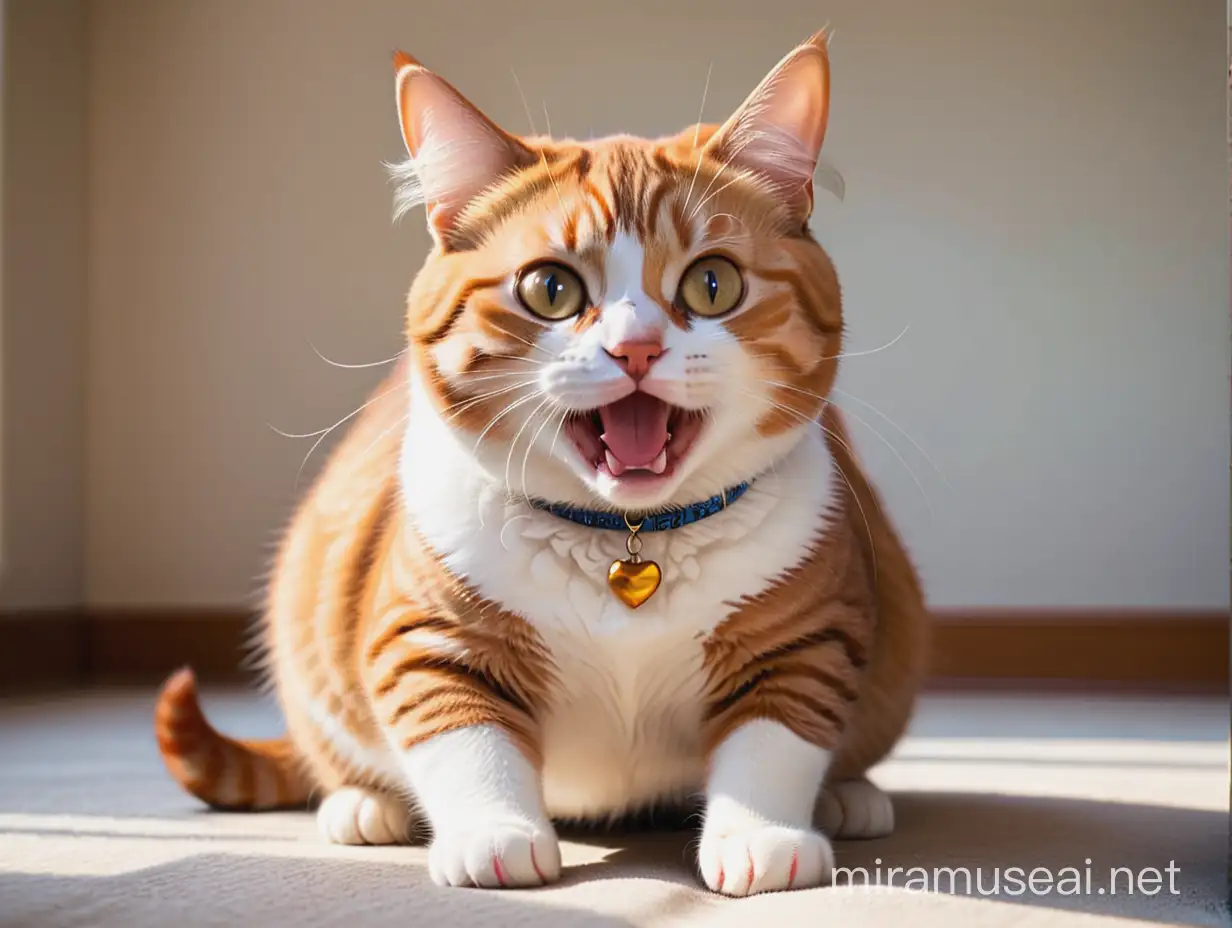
(639, 437)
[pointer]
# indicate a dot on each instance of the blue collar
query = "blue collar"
(654, 522)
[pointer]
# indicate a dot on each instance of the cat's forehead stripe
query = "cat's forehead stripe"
(584, 224)
(622, 184)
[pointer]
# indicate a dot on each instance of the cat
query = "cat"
(599, 543)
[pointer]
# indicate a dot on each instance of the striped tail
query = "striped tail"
(223, 772)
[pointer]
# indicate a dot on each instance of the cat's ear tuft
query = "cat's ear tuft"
(455, 151)
(777, 132)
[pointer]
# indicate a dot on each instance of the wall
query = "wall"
(1035, 193)
(42, 305)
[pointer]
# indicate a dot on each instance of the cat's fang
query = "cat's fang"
(613, 464)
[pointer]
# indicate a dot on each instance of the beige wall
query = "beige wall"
(1035, 189)
(42, 300)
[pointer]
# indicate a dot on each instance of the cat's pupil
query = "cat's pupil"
(553, 287)
(712, 284)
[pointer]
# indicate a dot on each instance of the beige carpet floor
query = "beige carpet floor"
(92, 832)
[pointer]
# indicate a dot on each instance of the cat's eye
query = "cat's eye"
(551, 291)
(711, 287)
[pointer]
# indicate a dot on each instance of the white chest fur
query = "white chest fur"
(623, 728)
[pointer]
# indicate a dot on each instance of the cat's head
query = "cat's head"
(624, 322)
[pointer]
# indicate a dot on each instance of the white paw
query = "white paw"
(764, 858)
(495, 853)
(352, 815)
(855, 809)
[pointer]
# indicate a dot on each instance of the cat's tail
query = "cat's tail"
(223, 772)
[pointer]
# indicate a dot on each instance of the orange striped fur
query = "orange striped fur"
(422, 618)
(223, 772)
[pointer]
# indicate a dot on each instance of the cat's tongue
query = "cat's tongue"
(635, 431)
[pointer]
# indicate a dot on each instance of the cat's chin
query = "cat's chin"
(635, 491)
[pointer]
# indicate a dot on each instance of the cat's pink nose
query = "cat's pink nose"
(637, 356)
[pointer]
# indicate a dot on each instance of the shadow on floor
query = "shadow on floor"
(233, 890)
(949, 835)
(985, 835)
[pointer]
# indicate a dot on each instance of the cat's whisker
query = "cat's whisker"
(915, 478)
(899, 428)
(321, 434)
(546, 118)
(697, 132)
(278, 431)
(468, 379)
(846, 354)
(462, 405)
(535, 438)
(517, 436)
(385, 433)
(928, 503)
(855, 496)
(527, 342)
(516, 357)
(563, 419)
(487, 395)
(355, 367)
(868, 529)
(907, 467)
(504, 412)
(897, 454)
(699, 206)
(732, 157)
(730, 216)
(861, 354)
(505, 528)
(701, 110)
(564, 210)
(525, 104)
(473, 381)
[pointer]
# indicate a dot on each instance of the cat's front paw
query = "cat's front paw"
(498, 853)
(764, 858)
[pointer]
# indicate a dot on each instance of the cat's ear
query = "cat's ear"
(456, 152)
(777, 132)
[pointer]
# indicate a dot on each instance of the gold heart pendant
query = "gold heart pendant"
(634, 582)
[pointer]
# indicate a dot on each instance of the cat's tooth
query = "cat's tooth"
(659, 465)
(613, 464)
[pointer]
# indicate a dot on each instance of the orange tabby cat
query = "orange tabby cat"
(599, 542)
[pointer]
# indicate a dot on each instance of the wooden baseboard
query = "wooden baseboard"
(57, 648)
(1146, 649)
(1125, 650)
(43, 648)
(146, 645)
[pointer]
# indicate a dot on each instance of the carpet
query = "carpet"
(1003, 791)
